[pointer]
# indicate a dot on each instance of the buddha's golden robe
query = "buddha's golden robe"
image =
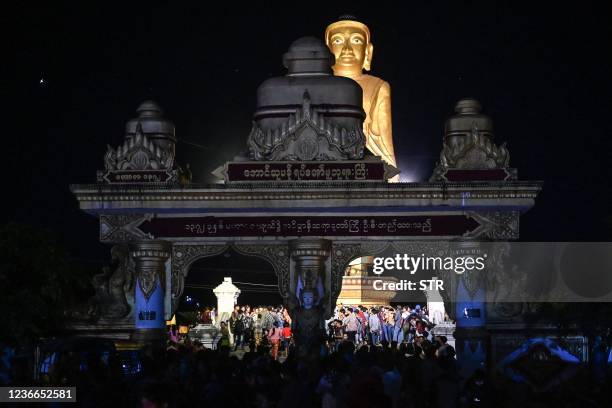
(377, 125)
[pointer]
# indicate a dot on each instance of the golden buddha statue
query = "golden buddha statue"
(349, 41)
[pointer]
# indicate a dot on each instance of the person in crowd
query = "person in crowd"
(286, 338)
(360, 327)
(238, 329)
(173, 334)
(274, 336)
(389, 324)
(206, 316)
(268, 319)
(445, 349)
(286, 316)
(350, 324)
(224, 340)
(257, 328)
(374, 327)
(400, 318)
(409, 328)
(335, 334)
(421, 331)
(248, 326)
(213, 316)
(363, 324)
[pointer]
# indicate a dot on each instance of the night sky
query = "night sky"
(80, 71)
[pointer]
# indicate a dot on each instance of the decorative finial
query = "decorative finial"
(149, 109)
(468, 106)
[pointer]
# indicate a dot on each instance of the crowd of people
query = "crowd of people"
(382, 326)
(254, 326)
(189, 375)
(248, 327)
(362, 364)
(389, 338)
(379, 325)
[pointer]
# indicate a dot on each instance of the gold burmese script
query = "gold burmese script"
(349, 41)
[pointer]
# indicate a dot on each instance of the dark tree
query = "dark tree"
(37, 284)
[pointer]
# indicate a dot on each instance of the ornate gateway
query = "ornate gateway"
(309, 198)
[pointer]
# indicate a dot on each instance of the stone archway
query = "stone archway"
(184, 255)
(438, 302)
(278, 254)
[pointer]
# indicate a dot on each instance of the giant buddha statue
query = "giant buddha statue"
(349, 40)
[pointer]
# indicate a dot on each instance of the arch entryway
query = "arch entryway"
(358, 279)
(254, 276)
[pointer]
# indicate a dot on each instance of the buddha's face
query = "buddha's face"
(307, 299)
(350, 46)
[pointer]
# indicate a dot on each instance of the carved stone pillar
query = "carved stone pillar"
(150, 270)
(310, 288)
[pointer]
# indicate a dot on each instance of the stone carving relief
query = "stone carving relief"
(138, 153)
(476, 152)
(114, 290)
(150, 257)
(495, 225)
(506, 284)
(306, 135)
(147, 281)
(433, 248)
(123, 228)
(115, 284)
(473, 280)
(473, 151)
(277, 255)
(370, 248)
